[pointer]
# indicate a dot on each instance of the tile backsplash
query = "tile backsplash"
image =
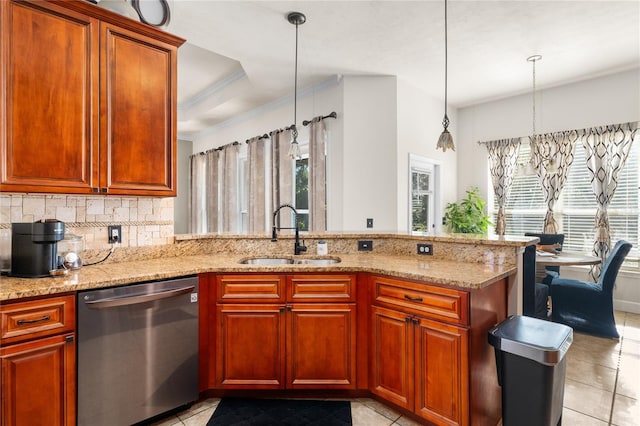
(145, 221)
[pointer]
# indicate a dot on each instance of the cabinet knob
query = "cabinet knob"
(407, 319)
(95, 190)
(281, 309)
(104, 190)
(68, 339)
(416, 321)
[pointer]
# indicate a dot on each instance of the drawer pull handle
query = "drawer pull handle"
(44, 318)
(413, 299)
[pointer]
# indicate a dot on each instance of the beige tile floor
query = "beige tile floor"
(602, 386)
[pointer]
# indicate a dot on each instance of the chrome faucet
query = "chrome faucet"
(297, 247)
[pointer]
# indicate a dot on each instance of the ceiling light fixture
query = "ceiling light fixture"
(295, 18)
(445, 141)
(542, 156)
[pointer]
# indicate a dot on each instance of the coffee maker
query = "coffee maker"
(34, 247)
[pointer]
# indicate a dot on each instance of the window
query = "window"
(422, 195)
(575, 210)
(302, 192)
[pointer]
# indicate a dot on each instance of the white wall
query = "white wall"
(181, 202)
(605, 100)
(419, 127)
(370, 177)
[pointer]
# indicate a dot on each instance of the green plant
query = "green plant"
(468, 216)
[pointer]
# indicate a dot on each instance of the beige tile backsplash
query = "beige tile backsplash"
(145, 221)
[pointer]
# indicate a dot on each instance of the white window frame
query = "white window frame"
(432, 167)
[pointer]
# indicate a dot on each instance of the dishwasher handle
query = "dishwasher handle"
(112, 302)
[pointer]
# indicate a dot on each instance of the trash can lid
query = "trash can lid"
(539, 340)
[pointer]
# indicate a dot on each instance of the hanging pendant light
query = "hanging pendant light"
(295, 18)
(445, 141)
(545, 157)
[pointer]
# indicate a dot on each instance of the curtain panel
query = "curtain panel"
(212, 191)
(281, 173)
(229, 186)
(503, 155)
(552, 154)
(257, 196)
(197, 195)
(607, 149)
(317, 176)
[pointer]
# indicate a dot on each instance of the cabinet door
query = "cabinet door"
(441, 372)
(48, 99)
(138, 114)
(321, 346)
(38, 382)
(392, 352)
(250, 346)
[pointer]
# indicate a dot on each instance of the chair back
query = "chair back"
(612, 265)
(547, 240)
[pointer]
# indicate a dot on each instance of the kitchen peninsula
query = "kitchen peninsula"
(433, 310)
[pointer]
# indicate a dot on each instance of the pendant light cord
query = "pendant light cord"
(445, 60)
(295, 86)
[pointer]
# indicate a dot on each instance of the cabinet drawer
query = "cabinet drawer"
(250, 288)
(321, 288)
(423, 299)
(37, 318)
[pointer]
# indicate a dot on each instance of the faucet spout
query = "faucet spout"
(297, 248)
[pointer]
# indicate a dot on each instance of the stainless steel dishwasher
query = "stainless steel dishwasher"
(137, 351)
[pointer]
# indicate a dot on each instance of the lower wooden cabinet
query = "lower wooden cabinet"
(38, 362)
(287, 345)
(420, 365)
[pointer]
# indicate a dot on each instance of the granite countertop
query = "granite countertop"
(449, 273)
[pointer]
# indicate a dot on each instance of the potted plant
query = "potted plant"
(468, 216)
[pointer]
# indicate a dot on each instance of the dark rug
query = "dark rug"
(289, 412)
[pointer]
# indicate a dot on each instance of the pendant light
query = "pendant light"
(295, 18)
(544, 157)
(445, 141)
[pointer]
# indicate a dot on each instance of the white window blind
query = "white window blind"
(575, 210)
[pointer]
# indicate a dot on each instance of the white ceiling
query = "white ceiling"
(239, 55)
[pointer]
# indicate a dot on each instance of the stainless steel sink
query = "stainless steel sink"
(328, 261)
(267, 261)
(289, 261)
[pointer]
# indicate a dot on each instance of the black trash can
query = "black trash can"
(530, 358)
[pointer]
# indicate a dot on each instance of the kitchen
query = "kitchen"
(149, 222)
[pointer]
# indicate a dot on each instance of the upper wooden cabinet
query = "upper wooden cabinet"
(87, 101)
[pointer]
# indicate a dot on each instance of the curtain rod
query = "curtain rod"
(220, 148)
(333, 114)
(635, 124)
(265, 136)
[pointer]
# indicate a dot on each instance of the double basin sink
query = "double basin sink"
(290, 261)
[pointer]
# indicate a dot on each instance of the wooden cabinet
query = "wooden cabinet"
(87, 101)
(419, 363)
(276, 332)
(37, 361)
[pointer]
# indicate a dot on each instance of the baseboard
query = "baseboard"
(626, 306)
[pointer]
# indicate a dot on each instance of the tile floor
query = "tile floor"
(602, 386)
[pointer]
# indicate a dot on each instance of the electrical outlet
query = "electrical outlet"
(115, 233)
(425, 249)
(369, 222)
(366, 245)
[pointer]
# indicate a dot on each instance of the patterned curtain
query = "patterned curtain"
(317, 176)
(552, 155)
(257, 207)
(606, 150)
(503, 154)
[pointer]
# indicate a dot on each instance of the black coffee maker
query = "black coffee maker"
(34, 247)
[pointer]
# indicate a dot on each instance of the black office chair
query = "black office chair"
(588, 306)
(548, 240)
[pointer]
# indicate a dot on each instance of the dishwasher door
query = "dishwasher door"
(137, 351)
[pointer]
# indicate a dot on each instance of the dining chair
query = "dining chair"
(548, 240)
(587, 306)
